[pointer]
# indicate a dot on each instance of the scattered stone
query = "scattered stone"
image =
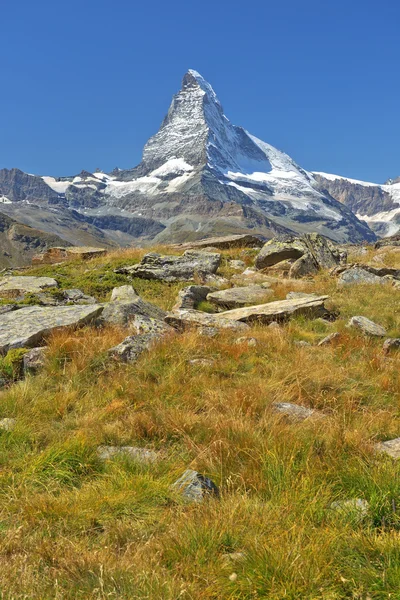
(356, 508)
(58, 255)
(278, 311)
(252, 342)
(26, 327)
(391, 344)
(140, 324)
(238, 297)
(208, 331)
(296, 413)
(238, 265)
(390, 447)
(130, 349)
(194, 487)
(250, 275)
(121, 312)
(274, 325)
(329, 339)
(78, 297)
(216, 281)
(34, 359)
(174, 268)
(187, 319)
(140, 455)
(7, 424)
(302, 343)
(16, 286)
(295, 295)
(310, 252)
(124, 293)
(356, 275)
(201, 362)
(366, 326)
(191, 296)
(225, 243)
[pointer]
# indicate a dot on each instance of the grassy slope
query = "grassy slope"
(72, 527)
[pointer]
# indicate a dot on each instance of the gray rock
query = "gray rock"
(208, 331)
(78, 297)
(8, 424)
(390, 447)
(26, 327)
(296, 413)
(302, 343)
(13, 287)
(252, 342)
(121, 312)
(355, 508)
(130, 349)
(215, 281)
(238, 265)
(140, 324)
(194, 487)
(226, 242)
(190, 296)
(358, 275)
(329, 339)
(6, 308)
(240, 296)
(279, 249)
(34, 359)
(175, 268)
(366, 326)
(391, 344)
(278, 311)
(201, 362)
(140, 455)
(124, 293)
(304, 266)
(274, 325)
(188, 319)
(295, 295)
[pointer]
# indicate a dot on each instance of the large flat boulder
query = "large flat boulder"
(281, 310)
(192, 319)
(224, 243)
(15, 286)
(26, 327)
(240, 296)
(309, 253)
(175, 268)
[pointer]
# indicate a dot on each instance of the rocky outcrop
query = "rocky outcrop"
(240, 296)
(175, 268)
(281, 310)
(26, 327)
(126, 304)
(308, 254)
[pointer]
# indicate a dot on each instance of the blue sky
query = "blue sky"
(85, 83)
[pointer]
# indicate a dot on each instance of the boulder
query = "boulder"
(356, 509)
(356, 275)
(240, 296)
(281, 310)
(121, 312)
(26, 327)
(366, 326)
(310, 252)
(251, 342)
(237, 265)
(295, 413)
(194, 487)
(7, 423)
(174, 268)
(329, 339)
(34, 359)
(16, 286)
(140, 324)
(190, 296)
(390, 447)
(224, 243)
(130, 349)
(78, 297)
(391, 344)
(140, 455)
(189, 319)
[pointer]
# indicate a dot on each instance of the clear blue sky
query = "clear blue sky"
(85, 83)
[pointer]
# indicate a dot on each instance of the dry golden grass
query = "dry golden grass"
(74, 527)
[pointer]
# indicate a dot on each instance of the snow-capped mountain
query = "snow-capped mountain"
(378, 205)
(200, 175)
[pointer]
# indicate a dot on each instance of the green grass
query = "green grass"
(74, 527)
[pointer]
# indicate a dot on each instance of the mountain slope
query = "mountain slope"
(378, 205)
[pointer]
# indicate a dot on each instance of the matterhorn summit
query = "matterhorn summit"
(200, 176)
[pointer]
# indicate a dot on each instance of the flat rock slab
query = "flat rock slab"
(366, 326)
(240, 296)
(26, 327)
(226, 242)
(278, 311)
(12, 287)
(390, 447)
(187, 319)
(174, 268)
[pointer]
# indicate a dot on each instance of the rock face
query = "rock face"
(279, 311)
(13, 287)
(307, 254)
(194, 487)
(28, 326)
(121, 312)
(61, 254)
(366, 326)
(240, 296)
(175, 268)
(200, 176)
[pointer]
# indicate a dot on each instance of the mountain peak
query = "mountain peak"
(193, 79)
